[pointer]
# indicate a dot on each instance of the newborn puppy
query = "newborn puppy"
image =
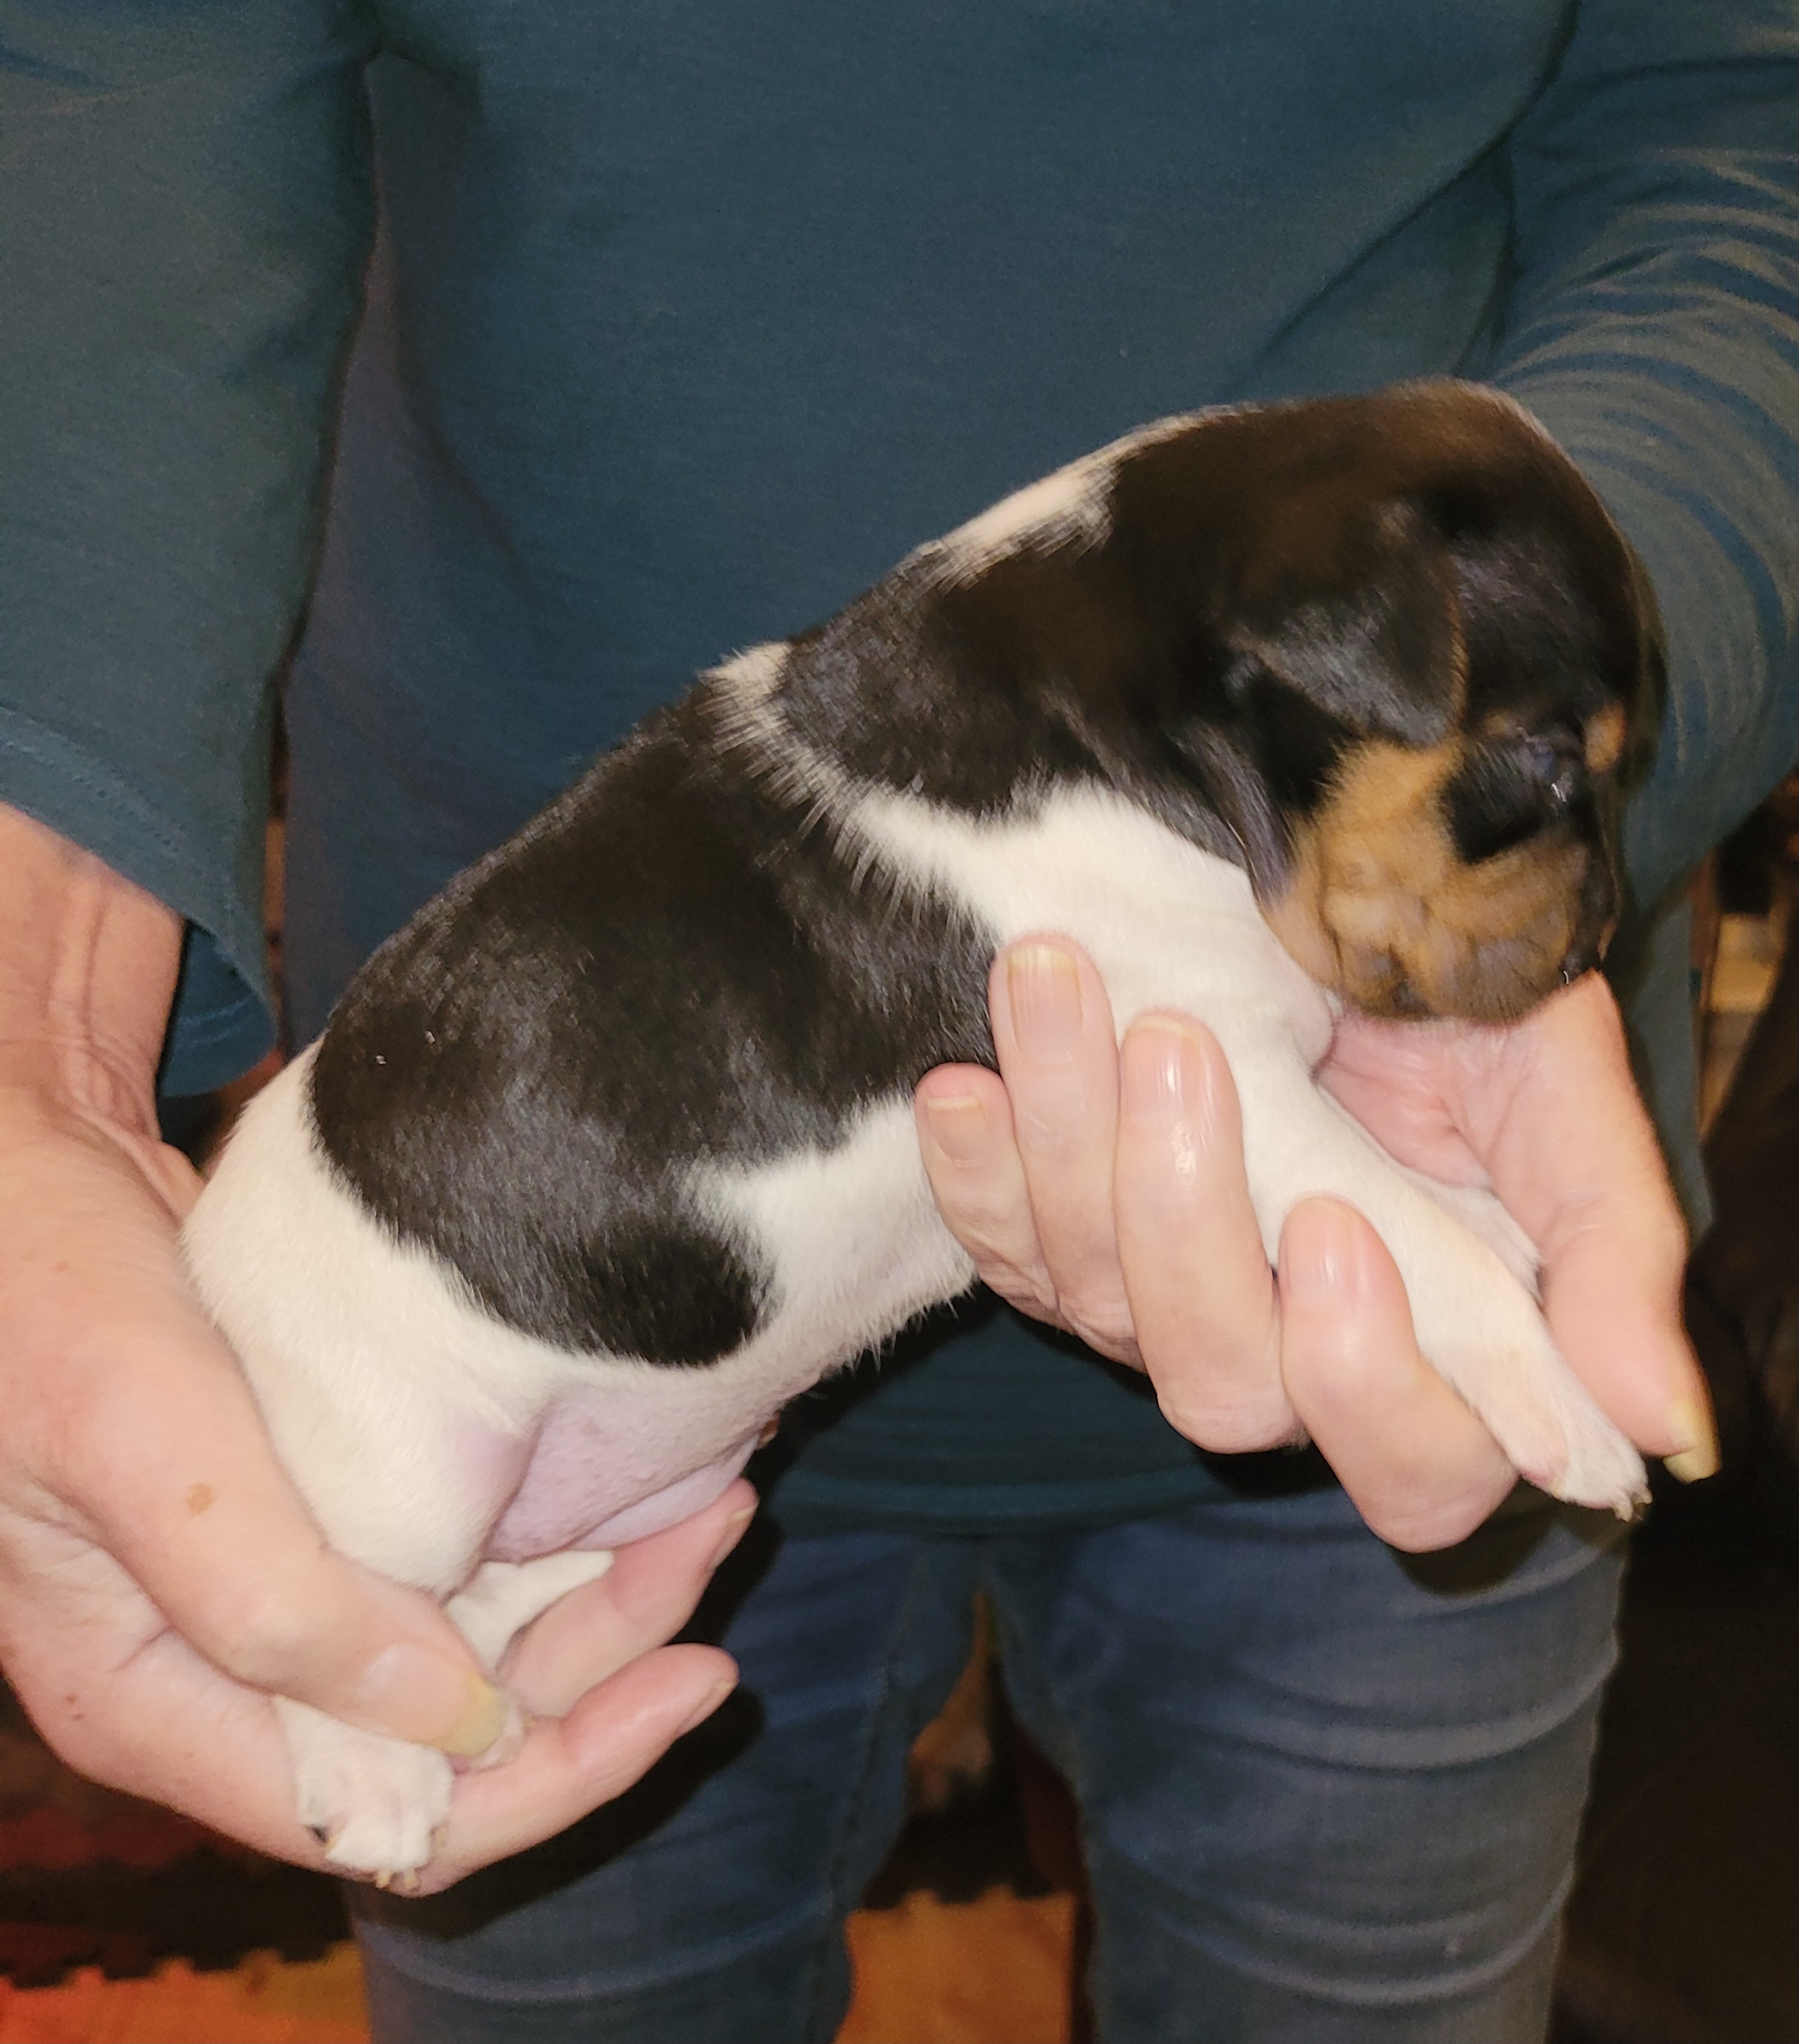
(609, 1153)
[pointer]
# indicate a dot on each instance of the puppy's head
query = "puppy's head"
(1442, 662)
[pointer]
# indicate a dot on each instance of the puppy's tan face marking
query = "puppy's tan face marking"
(1382, 906)
(1604, 738)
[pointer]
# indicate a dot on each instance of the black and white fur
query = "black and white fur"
(610, 1152)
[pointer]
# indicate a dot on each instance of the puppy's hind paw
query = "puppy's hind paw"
(376, 1804)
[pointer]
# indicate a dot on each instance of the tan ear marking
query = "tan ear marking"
(1604, 739)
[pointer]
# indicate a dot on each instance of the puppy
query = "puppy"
(609, 1153)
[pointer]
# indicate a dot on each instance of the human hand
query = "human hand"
(1102, 1188)
(159, 1578)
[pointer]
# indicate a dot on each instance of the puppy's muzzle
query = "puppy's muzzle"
(1468, 879)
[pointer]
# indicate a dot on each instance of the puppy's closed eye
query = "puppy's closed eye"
(1513, 787)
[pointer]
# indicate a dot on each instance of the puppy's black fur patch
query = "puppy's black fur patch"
(671, 963)
(677, 962)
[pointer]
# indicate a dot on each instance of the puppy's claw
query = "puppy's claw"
(376, 1804)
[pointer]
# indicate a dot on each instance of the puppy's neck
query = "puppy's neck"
(863, 708)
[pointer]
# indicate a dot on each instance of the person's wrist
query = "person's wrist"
(88, 963)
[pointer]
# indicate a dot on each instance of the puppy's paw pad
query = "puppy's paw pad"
(375, 1803)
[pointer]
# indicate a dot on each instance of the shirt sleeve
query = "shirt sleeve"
(189, 209)
(1652, 324)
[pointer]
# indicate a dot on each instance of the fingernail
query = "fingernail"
(1045, 992)
(734, 1530)
(425, 1697)
(1318, 1254)
(959, 1125)
(1692, 1423)
(1160, 1081)
(507, 1743)
(713, 1697)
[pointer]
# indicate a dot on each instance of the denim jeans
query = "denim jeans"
(1327, 1791)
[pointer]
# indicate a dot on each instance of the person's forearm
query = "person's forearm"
(188, 210)
(87, 971)
(1651, 326)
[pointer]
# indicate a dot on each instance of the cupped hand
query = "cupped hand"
(160, 1577)
(1100, 1186)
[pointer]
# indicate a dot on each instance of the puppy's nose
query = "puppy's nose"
(1585, 954)
(1597, 916)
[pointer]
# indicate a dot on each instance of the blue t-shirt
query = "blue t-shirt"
(681, 321)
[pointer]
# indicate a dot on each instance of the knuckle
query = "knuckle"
(997, 1242)
(88, 1444)
(1111, 1333)
(1231, 1425)
(263, 1631)
(1026, 1286)
(1421, 1525)
(1101, 1319)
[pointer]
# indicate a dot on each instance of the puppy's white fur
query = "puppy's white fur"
(426, 1435)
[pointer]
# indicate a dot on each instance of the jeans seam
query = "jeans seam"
(1069, 1761)
(836, 1871)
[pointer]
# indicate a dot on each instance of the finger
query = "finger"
(1420, 1467)
(977, 1177)
(178, 1481)
(1613, 1304)
(1574, 1157)
(569, 1766)
(1057, 1054)
(644, 1598)
(165, 1724)
(1201, 1295)
(159, 1720)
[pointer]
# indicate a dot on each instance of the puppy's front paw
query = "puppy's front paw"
(1602, 1468)
(375, 1803)
(1481, 1328)
(1499, 1355)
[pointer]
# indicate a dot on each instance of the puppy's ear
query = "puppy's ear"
(1352, 606)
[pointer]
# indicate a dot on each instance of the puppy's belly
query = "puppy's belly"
(857, 1248)
(579, 1488)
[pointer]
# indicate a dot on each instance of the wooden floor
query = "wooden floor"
(995, 1971)
(263, 2001)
